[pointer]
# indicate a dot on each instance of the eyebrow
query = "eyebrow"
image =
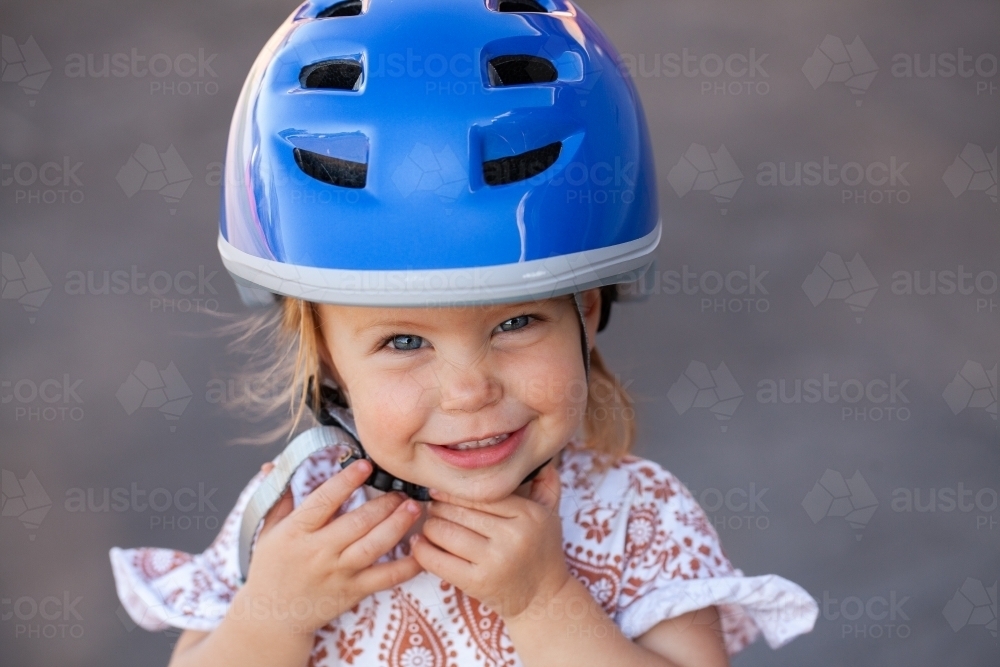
(395, 324)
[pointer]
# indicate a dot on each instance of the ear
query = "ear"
(592, 313)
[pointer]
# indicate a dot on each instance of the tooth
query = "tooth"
(476, 444)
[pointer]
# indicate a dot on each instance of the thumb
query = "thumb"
(279, 511)
(546, 488)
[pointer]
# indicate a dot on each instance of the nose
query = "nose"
(467, 385)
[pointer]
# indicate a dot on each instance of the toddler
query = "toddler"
(437, 204)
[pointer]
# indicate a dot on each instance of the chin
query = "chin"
(479, 490)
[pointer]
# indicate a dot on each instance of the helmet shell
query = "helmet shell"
(445, 183)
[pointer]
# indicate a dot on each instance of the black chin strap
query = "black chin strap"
(332, 410)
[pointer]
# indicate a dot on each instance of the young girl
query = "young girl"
(442, 199)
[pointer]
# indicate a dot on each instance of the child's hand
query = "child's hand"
(507, 554)
(307, 570)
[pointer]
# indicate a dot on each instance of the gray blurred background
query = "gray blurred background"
(829, 479)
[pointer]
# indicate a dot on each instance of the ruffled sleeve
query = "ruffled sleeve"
(674, 564)
(161, 588)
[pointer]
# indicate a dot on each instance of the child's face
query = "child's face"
(418, 379)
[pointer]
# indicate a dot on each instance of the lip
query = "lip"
(483, 457)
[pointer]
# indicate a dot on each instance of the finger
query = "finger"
(383, 535)
(267, 467)
(546, 488)
(507, 508)
(455, 539)
(386, 575)
(480, 522)
(454, 570)
(348, 528)
(278, 511)
(317, 508)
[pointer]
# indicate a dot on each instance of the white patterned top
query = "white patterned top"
(633, 534)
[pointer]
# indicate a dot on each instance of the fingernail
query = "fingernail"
(364, 466)
(434, 493)
(411, 507)
(413, 538)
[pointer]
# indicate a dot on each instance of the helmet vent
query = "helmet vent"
(332, 170)
(519, 70)
(520, 167)
(345, 8)
(332, 75)
(521, 6)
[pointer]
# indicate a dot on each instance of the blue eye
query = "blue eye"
(515, 323)
(405, 342)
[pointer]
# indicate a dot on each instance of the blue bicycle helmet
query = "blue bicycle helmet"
(447, 153)
(456, 152)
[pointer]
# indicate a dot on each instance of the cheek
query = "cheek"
(388, 411)
(551, 381)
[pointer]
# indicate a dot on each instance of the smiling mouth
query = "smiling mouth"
(485, 452)
(478, 444)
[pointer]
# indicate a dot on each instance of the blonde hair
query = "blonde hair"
(277, 378)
